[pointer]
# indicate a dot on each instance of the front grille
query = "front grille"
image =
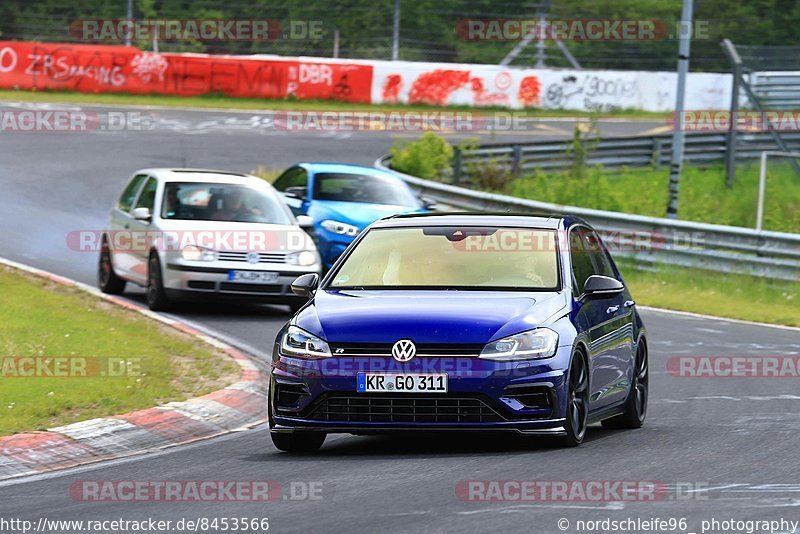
(250, 288)
(263, 257)
(423, 349)
(402, 409)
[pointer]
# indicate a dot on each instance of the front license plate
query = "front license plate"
(402, 383)
(252, 277)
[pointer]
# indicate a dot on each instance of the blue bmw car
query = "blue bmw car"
(344, 199)
(462, 322)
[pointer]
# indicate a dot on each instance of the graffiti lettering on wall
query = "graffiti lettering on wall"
(63, 66)
(149, 66)
(595, 92)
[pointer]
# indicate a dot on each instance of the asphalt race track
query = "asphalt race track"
(730, 445)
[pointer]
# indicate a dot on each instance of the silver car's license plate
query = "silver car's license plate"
(401, 383)
(252, 277)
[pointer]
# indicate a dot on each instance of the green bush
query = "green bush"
(490, 176)
(429, 157)
(584, 140)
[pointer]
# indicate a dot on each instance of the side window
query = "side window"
(600, 259)
(297, 177)
(129, 195)
(582, 267)
(147, 199)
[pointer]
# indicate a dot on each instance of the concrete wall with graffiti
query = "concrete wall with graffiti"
(587, 90)
(121, 69)
(93, 68)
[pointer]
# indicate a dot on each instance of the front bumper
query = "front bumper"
(524, 397)
(199, 281)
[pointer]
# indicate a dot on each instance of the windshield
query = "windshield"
(451, 258)
(221, 202)
(371, 189)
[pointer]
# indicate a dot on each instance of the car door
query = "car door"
(616, 328)
(592, 317)
(119, 226)
(294, 188)
(142, 230)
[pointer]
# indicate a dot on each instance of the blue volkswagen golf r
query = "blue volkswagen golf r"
(462, 322)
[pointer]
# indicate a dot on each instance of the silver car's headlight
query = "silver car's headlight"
(533, 344)
(303, 258)
(195, 253)
(298, 343)
(339, 227)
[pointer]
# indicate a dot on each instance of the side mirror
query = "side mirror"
(305, 221)
(428, 203)
(597, 285)
(305, 285)
(298, 192)
(142, 214)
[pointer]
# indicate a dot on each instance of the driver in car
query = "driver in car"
(172, 204)
(234, 207)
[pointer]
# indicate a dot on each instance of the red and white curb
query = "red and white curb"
(237, 407)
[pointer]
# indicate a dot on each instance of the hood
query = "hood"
(358, 214)
(468, 317)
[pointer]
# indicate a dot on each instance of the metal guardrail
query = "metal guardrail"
(615, 152)
(665, 241)
(777, 90)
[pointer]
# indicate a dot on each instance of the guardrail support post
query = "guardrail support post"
(730, 152)
(656, 157)
(457, 157)
(516, 160)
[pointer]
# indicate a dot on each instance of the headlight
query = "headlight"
(340, 228)
(298, 343)
(195, 253)
(304, 257)
(536, 343)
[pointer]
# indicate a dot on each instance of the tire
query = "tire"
(156, 296)
(299, 442)
(636, 403)
(577, 415)
(107, 279)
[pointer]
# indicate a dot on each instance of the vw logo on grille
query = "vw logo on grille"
(404, 350)
(252, 257)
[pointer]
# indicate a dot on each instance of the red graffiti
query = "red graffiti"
(391, 88)
(530, 91)
(123, 69)
(435, 87)
(482, 97)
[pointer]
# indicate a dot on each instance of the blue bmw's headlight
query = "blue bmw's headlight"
(533, 344)
(340, 228)
(298, 343)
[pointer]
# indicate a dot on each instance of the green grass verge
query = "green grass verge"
(724, 295)
(42, 319)
(704, 196)
(228, 102)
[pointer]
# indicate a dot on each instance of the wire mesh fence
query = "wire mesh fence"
(363, 29)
